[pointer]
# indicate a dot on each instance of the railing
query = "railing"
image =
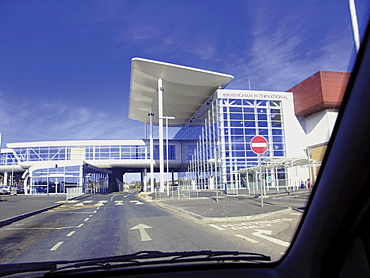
(180, 193)
(73, 192)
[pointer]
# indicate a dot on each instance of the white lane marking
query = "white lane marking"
(56, 246)
(87, 202)
(262, 234)
(71, 233)
(39, 228)
(79, 204)
(143, 234)
(136, 202)
(247, 238)
(86, 219)
(101, 203)
(296, 213)
(118, 203)
(217, 227)
(79, 226)
(94, 211)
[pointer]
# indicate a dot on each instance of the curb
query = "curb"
(13, 219)
(25, 215)
(224, 219)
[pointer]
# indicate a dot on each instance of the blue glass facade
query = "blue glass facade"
(94, 152)
(221, 136)
(61, 178)
(208, 152)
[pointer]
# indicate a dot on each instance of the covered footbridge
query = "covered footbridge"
(91, 165)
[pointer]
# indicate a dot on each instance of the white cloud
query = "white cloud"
(284, 54)
(62, 121)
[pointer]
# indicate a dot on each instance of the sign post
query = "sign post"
(259, 145)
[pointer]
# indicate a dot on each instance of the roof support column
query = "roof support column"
(151, 150)
(160, 127)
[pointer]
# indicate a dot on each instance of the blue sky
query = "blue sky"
(65, 65)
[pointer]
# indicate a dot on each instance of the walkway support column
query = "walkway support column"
(5, 178)
(160, 126)
(143, 180)
(151, 150)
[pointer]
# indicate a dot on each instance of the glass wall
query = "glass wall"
(222, 135)
(58, 179)
(7, 159)
(118, 152)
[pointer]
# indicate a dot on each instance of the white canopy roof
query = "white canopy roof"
(185, 90)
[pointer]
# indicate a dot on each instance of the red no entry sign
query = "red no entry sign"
(259, 144)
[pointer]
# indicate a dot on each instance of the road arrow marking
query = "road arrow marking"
(143, 234)
(136, 202)
(262, 234)
(100, 203)
(118, 203)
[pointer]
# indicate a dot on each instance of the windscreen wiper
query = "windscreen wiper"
(146, 258)
(136, 259)
(8, 269)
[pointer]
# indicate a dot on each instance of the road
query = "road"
(297, 200)
(116, 224)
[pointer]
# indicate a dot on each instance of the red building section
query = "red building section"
(323, 90)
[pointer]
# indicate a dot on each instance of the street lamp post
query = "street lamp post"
(308, 154)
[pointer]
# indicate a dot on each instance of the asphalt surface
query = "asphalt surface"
(211, 208)
(14, 208)
(226, 206)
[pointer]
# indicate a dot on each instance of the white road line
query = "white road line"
(136, 202)
(100, 203)
(87, 202)
(217, 227)
(56, 246)
(94, 211)
(86, 219)
(247, 239)
(111, 198)
(296, 213)
(263, 234)
(71, 233)
(79, 226)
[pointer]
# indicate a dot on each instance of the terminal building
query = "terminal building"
(212, 147)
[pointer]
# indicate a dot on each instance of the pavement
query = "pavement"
(209, 208)
(219, 208)
(14, 208)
